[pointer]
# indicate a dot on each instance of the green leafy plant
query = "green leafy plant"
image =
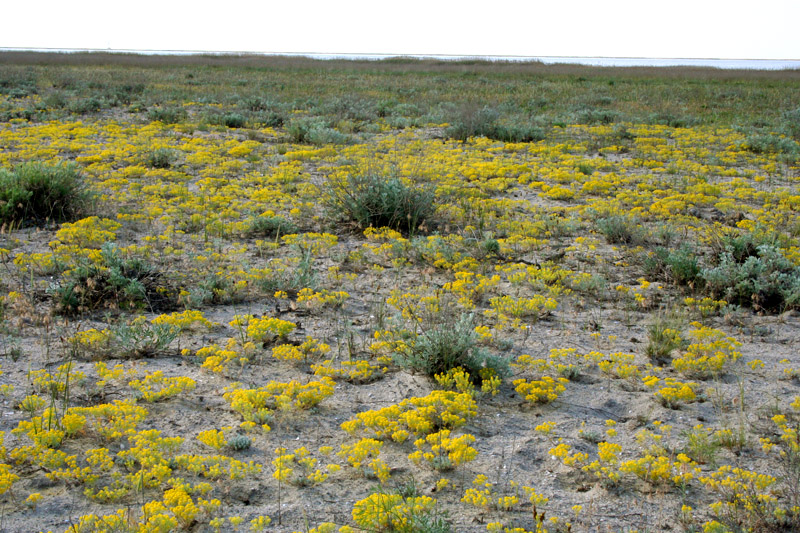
(314, 130)
(161, 158)
(36, 193)
(766, 281)
(664, 337)
(473, 121)
(680, 266)
(448, 344)
(115, 283)
(239, 443)
(167, 115)
(371, 199)
(270, 226)
(619, 229)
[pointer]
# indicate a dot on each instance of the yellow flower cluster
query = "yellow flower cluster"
(391, 512)
(217, 466)
(509, 311)
(483, 494)
(561, 451)
(444, 452)
(390, 341)
(460, 380)
(113, 421)
(187, 320)
(311, 349)
(671, 392)
(705, 307)
(7, 478)
(708, 355)
(258, 405)
(363, 456)
(660, 469)
(90, 232)
(313, 300)
(544, 390)
(619, 365)
(218, 359)
(604, 468)
(419, 415)
(285, 464)
(356, 371)
(263, 329)
(56, 384)
(743, 492)
(312, 243)
(470, 288)
(213, 438)
(155, 387)
(95, 343)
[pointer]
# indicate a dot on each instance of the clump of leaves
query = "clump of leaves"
(619, 229)
(239, 443)
(161, 158)
(36, 193)
(664, 337)
(167, 115)
(767, 281)
(115, 283)
(484, 122)
(448, 344)
(372, 199)
(763, 144)
(269, 226)
(679, 266)
(314, 130)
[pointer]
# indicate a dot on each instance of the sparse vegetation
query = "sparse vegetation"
(389, 296)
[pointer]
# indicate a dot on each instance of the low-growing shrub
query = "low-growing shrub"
(371, 199)
(268, 118)
(299, 128)
(791, 122)
(762, 144)
(484, 122)
(85, 105)
(270, 226)
(450, 344)
(161, 158)
(115, 283)
(314, 130)
(672, 120)
(473, 122)
(320, 136)
(679, 266)
(387, 511)
(596, 116)
(36, 193)
(664, 337)
(167, 115)
(351, 108)
(233, 120)
(741, 246)
(239, 443)
(619, 229)
(229, 120)
(766, 282)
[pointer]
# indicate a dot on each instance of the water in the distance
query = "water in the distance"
(749, 64)
(752, 64)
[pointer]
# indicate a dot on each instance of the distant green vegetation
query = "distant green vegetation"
(517, 100)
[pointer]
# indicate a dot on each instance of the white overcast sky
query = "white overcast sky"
(729, 29)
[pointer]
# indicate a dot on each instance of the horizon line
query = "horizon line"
(373, 54)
